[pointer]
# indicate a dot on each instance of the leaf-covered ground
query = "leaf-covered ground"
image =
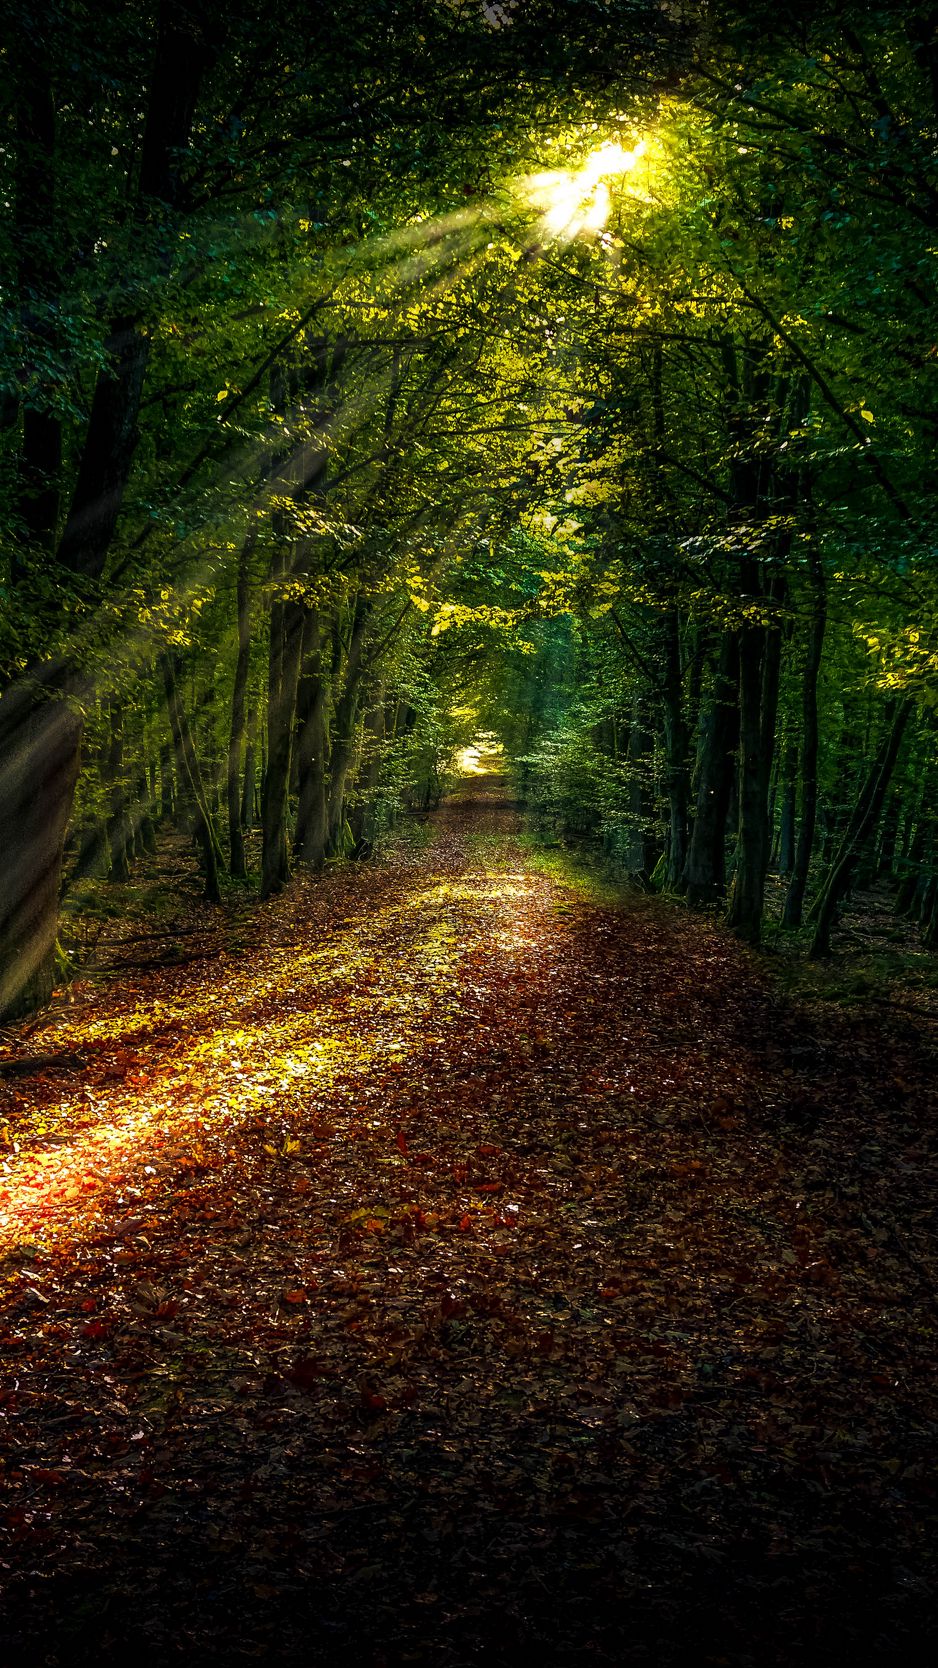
(470, 1268)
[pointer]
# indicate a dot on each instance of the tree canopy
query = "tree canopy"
(555, 369)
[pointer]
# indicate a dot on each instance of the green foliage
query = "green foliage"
(548, 468)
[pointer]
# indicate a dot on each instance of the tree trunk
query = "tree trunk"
(40, 751)
(912, 866)
(343, 730)
(642, 854)
(719, 739)
(144, 826)
(786, 830)
(362, 820)
(340, 760)
(167, 799)
(698, 659)
(745, 914)
(187, 770)
(119, 828)
(810, 743)
(930, 937)
(888, 838)
(38, 279)
(249, 786)
(862, 824)
(760, 650)
(676, 755)
(312, 750)
(301, 474)
(286, 636)
(238, 709)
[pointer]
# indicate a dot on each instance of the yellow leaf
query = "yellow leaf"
(867, 415)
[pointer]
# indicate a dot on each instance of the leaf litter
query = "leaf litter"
(469, 1268)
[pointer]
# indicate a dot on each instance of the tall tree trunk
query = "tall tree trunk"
(786, 829)
(187, 769)
(810, 744)
(90, 837)
(912, 866)
(930, 936)
(719, 739)
(861, 827)
(362, 820)
(119, 829)
(340, 760)
(286, 637)
(642, 854)
(921, 902)
(760, 650)
(40, 751)
(343, 729)
(745, 913)
(312, 750)
(888, 837)
(695, 670)
(275, 867)
(238, 710)
(301, 474)
(167, 785)
(676, 744)
(676, 736)
(144, 826)
(38, 279)
(249, 785)
(751, 485)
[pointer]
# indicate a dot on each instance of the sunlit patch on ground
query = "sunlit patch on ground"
(164, 1074)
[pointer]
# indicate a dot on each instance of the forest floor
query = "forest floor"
(453, 1263)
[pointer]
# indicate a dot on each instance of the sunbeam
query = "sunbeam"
(571, 202)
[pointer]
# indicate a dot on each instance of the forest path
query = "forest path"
(471, 1268)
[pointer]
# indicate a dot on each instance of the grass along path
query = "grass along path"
(468, 1269)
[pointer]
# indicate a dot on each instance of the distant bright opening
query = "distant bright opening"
(576, 201)
(482, 757)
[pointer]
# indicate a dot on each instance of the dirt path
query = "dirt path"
(468, 1270)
